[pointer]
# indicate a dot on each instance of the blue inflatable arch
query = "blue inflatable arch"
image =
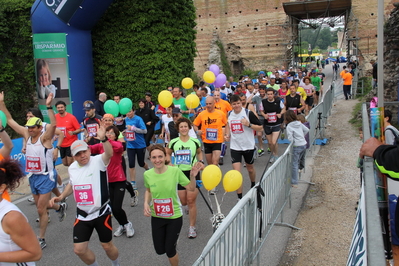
(75, 18)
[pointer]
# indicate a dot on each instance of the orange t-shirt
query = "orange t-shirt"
(223, 106)
(211, 125)
(347, 77)
(65, 124)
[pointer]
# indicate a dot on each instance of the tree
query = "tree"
(141, 46)
(17, 77)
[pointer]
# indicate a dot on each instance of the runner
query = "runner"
(240, 132)
(225, 107)
(88, 182)
(187, 153)
(273, 108)
(116, 180)
(69, 126)
(39, 163)
(166, 221)
(18, 244)
(91, 121)
(212, 123)
(134, 137)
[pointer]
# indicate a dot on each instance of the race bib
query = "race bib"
(183, 157)
(272, 117)
(118, 121)
(83, 195)
(293, 109)
(211, 134)
(33, 164)
(92, 130)
(236, 127)
(130, 135)
(63, 130)
(163, 207)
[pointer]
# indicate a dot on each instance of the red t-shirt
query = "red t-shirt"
(65, 124)
(114, 170)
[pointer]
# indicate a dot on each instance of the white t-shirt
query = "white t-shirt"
(241, 137)
(6, 243)
(90, 187)
(165, 121)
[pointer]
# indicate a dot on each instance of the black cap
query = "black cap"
(176, 110)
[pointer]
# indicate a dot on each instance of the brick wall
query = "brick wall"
(262, 30)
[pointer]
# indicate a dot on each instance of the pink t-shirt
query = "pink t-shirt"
(114, 170)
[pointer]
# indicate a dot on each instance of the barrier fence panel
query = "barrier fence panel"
(245, 221)
(367, 247)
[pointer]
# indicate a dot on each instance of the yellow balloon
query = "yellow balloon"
(192, 101)
(209, 77)
(187, 83)
(165, 98)
(232, 180)
(211, 176)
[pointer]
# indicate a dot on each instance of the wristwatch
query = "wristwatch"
(250, 125)
(201, 161)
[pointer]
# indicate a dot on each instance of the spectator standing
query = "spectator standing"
(99, 104)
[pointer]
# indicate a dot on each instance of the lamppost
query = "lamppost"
(310, 53)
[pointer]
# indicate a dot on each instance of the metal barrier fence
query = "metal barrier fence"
(367, 247)
(240, 237)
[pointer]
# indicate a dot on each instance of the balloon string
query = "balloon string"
(220, 205)
(210, 201)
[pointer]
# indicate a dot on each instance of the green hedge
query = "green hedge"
(17, 75)
(141, 46)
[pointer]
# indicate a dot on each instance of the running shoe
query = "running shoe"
(221, 161)
(62, 211)
(192, 232)
(31, 200)
(121, 229)
(61, 188)
(48, 214)
(135, 199)
(261, 152)
(129, 229)
(272, 159)
(268, 150)
(42, 243)
(186, 210)
(134, 185)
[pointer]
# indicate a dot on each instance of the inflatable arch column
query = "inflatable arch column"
(73, 19)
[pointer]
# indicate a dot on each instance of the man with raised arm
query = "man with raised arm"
(39, 162)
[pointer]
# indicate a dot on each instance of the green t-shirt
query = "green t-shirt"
(163, 187)
(181, 103)
(316, 82)
(185, 152)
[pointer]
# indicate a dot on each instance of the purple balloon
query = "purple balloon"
(220, 80)
(215, 69)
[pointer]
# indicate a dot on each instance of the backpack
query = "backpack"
(394, 134)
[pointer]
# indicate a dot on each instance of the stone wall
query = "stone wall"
(255, 33)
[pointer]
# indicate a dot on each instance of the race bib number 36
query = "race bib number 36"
(33, 164)
(163, 207)
(83, 194)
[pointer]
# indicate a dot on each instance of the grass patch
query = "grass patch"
(356, 119)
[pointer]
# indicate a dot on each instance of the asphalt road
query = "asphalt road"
(139, 250)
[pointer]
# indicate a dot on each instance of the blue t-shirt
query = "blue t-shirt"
(135, 140)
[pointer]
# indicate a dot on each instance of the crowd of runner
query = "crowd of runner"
(179, 141)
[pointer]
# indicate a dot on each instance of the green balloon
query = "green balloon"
(3, 119)
(111, 107)
(125, 105)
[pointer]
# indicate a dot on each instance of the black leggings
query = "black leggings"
(129, 186)
(149, 134)
(116, 194)
(165, 233)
